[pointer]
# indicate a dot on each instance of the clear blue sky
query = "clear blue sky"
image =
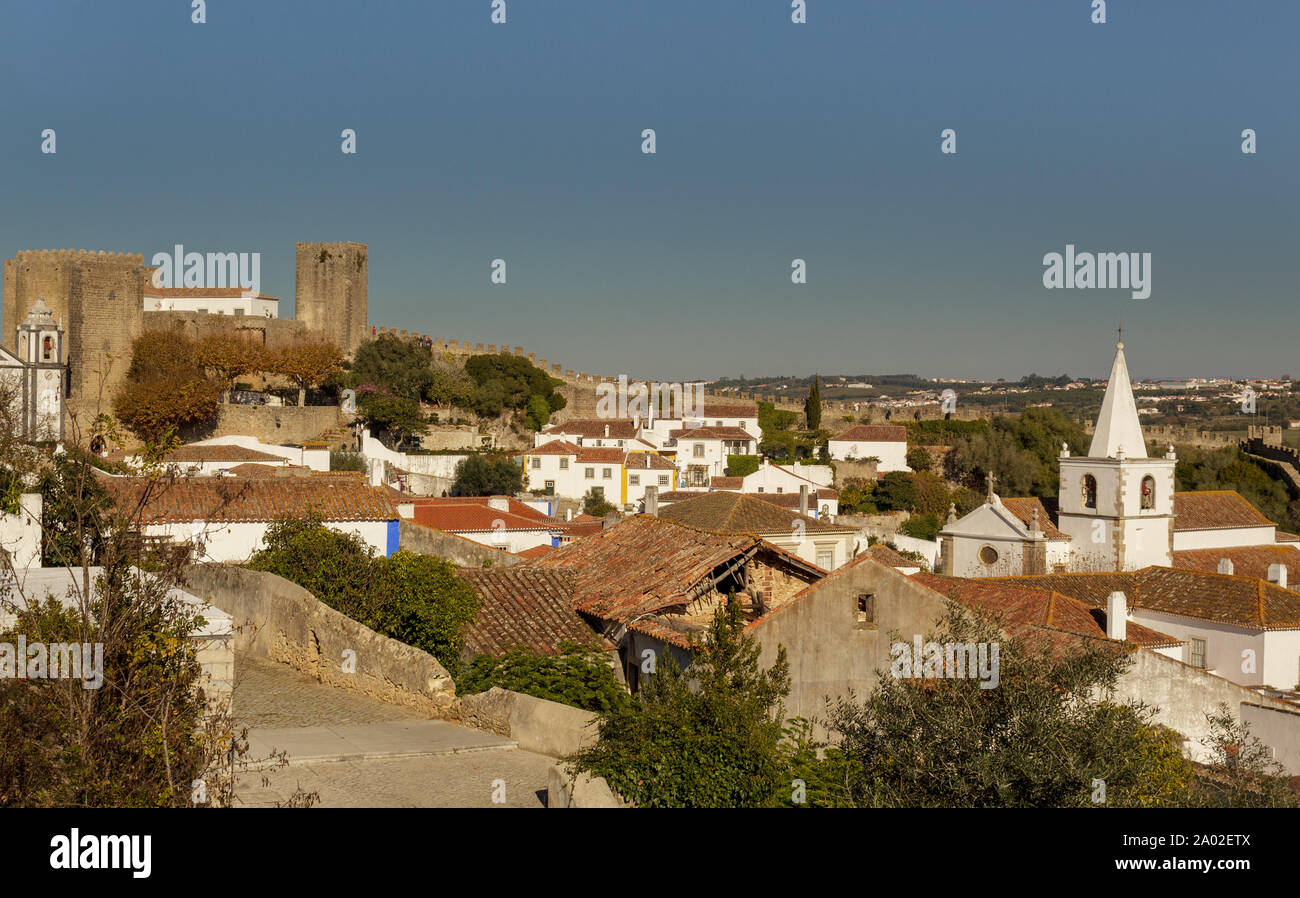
(775, 141)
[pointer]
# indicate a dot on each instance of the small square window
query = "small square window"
(663, 479)
(537, 462)
(699, 450)
(866, 608)
(589, 474)
(564, 464)
(634, 480)
(607, 474)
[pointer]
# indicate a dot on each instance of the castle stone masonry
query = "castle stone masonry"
(97, 299)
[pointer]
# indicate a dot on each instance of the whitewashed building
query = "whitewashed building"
(887, 442)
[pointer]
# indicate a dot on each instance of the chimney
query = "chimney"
(376, 472)
(499, 503)
(803, 499)
(1277, 574)
(652, 501)
(610, 520)
(1116, 615)
(568, 514)
(1225, 566)
(607, 430)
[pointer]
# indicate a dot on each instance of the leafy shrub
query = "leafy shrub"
(415, 599)
(577, 675)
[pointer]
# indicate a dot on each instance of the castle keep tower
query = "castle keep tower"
(331, 291)
(98, 300)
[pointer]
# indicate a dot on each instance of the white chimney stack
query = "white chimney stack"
(1117, 615)
(500, 503)
(1225, 566)
(1277, 574)
(803, 499)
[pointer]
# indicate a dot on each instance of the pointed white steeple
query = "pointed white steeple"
(1118, 430)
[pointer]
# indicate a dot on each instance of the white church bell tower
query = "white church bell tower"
(1116, 504)
(40, 347)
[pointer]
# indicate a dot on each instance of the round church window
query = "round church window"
(989, 555)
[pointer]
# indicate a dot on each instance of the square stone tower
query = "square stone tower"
(97, 299)
(330, 295)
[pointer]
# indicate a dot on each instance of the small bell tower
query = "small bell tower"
(40, 346)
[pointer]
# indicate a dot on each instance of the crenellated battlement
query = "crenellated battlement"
(76, 255)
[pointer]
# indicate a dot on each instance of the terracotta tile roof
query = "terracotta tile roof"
(886, 555)
(515, 507)
(647, 564)
(535, 551)
(1282, 536)
(710, 433)
(195, 453)
(1038, 614)
(679, 495)
(600, 455)
(594, 428)
(726, 483)
(525, 606)
(253, 500)
(647, 461)
(554, 447)
(253, 469)
(1200, 595)
(744, 513)
(1024, 508)
(874, 433)
(468, 517)
(1215, 509)
(1247, 561)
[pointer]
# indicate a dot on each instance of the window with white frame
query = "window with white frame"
(1196, 652)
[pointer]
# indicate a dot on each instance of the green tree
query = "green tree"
(919, 460)
(481, 475)
(539, 412)
(415, 599)
(812, 407)
(595, 504)
(400, 417)
(506, 381)
(709, 736)
(401, 367)
(1040, 738)
(76, 511)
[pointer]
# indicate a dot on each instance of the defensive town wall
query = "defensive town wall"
(279, 620)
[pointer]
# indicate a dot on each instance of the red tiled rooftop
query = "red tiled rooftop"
(710, 433)
(252, 500)
(527, 607)
(1215, 509)
(469, 517)
(873, 433)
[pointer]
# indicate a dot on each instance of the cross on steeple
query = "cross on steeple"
(992, 479)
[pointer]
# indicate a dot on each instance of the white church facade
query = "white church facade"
(1116, 510)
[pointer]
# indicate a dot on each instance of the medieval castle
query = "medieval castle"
(97, 300)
